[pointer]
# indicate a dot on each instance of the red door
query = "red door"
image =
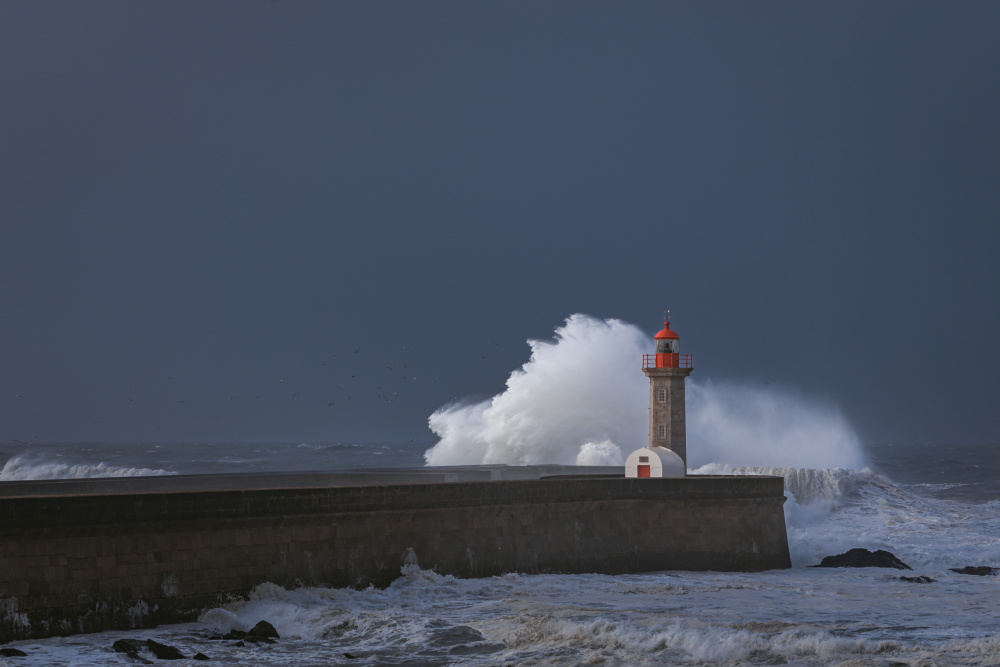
(643, 471)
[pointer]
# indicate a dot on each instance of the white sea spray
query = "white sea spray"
(573, 390)
(581, 398)
(29, 466)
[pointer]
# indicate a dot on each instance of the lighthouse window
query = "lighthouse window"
(661, 396)
(662, 430)
(664, 346)
(643, 459)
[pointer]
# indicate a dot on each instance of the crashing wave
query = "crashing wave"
(581, 399)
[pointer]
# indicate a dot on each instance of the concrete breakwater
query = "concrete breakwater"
(92, 555)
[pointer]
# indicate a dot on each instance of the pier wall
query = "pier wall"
(99, 561)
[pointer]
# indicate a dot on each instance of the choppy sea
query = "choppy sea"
(934, 506)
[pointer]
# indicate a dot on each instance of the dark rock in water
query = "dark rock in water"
(164, 652)
(348, 655)
(864, 558)
(262, 630)
(12, 653)
(131, 647)
(918, 580)
(201, 656)
(127, 645)
(978, 570)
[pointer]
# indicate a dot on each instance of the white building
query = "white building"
(654, 462)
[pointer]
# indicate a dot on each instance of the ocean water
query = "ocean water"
(934, 506)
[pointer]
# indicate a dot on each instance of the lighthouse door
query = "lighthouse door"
(643, 471)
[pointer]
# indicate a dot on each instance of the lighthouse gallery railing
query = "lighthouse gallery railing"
(669, 360)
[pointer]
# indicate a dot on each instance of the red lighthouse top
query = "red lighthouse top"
(666, 332)
(667, 350)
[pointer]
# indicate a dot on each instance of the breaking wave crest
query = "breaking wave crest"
(683, 640)
(828, 511)
(25, 467)
(827, 487)
(550, 620)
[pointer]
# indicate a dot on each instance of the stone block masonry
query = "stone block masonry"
(99, 561)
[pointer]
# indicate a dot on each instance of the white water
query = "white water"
(581, 398)
(38, 466)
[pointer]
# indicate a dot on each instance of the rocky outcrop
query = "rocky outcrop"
(977, 570)
(262, 632)
(132, 647)
(864, 558)
(164, 652)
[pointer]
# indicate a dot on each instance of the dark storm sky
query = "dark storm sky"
(202, 203)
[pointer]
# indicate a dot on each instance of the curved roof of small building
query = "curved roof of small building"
(671, 464)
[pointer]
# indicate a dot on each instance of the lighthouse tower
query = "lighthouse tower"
(666, 370)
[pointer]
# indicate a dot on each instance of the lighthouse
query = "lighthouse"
(666, 369)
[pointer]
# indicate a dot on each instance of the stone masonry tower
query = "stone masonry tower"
(666, 371)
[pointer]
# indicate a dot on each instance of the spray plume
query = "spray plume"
(581, 399)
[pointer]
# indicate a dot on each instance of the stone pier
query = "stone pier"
(92, 555)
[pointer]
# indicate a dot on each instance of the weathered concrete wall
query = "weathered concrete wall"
(84, 563)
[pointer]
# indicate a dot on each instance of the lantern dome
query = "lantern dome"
(667, 332)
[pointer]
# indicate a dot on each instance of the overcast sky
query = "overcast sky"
(202, 203)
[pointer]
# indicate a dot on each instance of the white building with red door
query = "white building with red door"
(654, 462)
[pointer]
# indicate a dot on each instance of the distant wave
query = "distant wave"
(24, 467)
